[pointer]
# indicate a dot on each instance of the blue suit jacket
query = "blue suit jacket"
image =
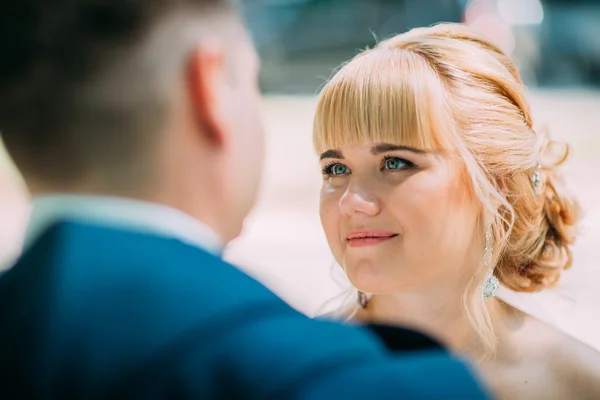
(95, 312)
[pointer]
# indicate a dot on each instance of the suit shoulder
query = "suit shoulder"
(89, 253)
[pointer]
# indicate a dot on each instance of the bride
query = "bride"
(437, 189)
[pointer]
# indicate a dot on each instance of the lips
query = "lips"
(369, 238)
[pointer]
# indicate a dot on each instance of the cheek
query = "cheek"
(251, 131)
(416, 201)
(330, 215)
(438, 216)
(428, 204)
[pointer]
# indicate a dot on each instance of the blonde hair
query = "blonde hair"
(446, 87)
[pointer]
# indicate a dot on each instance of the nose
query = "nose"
(359, 200)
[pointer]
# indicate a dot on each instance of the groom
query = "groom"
(136, 126)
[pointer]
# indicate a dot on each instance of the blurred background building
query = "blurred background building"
(556, 44)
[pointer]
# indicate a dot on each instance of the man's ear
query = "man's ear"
(207, 90)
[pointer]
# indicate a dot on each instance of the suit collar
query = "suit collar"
(121, 213)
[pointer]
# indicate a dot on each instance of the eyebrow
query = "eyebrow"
(375, 150)
(332, 154)
(385, 147)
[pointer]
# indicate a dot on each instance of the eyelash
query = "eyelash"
(327, 169)
(409, 164)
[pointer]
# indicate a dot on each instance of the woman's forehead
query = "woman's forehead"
(374, 148)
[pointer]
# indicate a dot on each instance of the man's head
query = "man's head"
(155, 99)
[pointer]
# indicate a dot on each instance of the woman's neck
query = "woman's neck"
(441, 317)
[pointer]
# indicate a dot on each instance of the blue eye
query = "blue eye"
(395, 163)
(336, 169)
(339, 169)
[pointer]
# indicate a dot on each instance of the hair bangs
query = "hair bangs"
(383, 96)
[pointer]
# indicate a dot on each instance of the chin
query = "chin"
(368, 278)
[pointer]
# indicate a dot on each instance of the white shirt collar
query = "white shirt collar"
(121, 213)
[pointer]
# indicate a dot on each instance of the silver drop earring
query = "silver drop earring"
(491, 284)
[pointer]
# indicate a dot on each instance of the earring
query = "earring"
(536, 178)
(362, 299)
(491, 284)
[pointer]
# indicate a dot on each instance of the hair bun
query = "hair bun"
(557, 231)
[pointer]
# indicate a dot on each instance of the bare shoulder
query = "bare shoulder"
(570, 367)
(577, 363)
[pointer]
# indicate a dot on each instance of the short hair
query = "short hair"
(81, 83)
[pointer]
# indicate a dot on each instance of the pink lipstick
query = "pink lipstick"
(368, 238)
